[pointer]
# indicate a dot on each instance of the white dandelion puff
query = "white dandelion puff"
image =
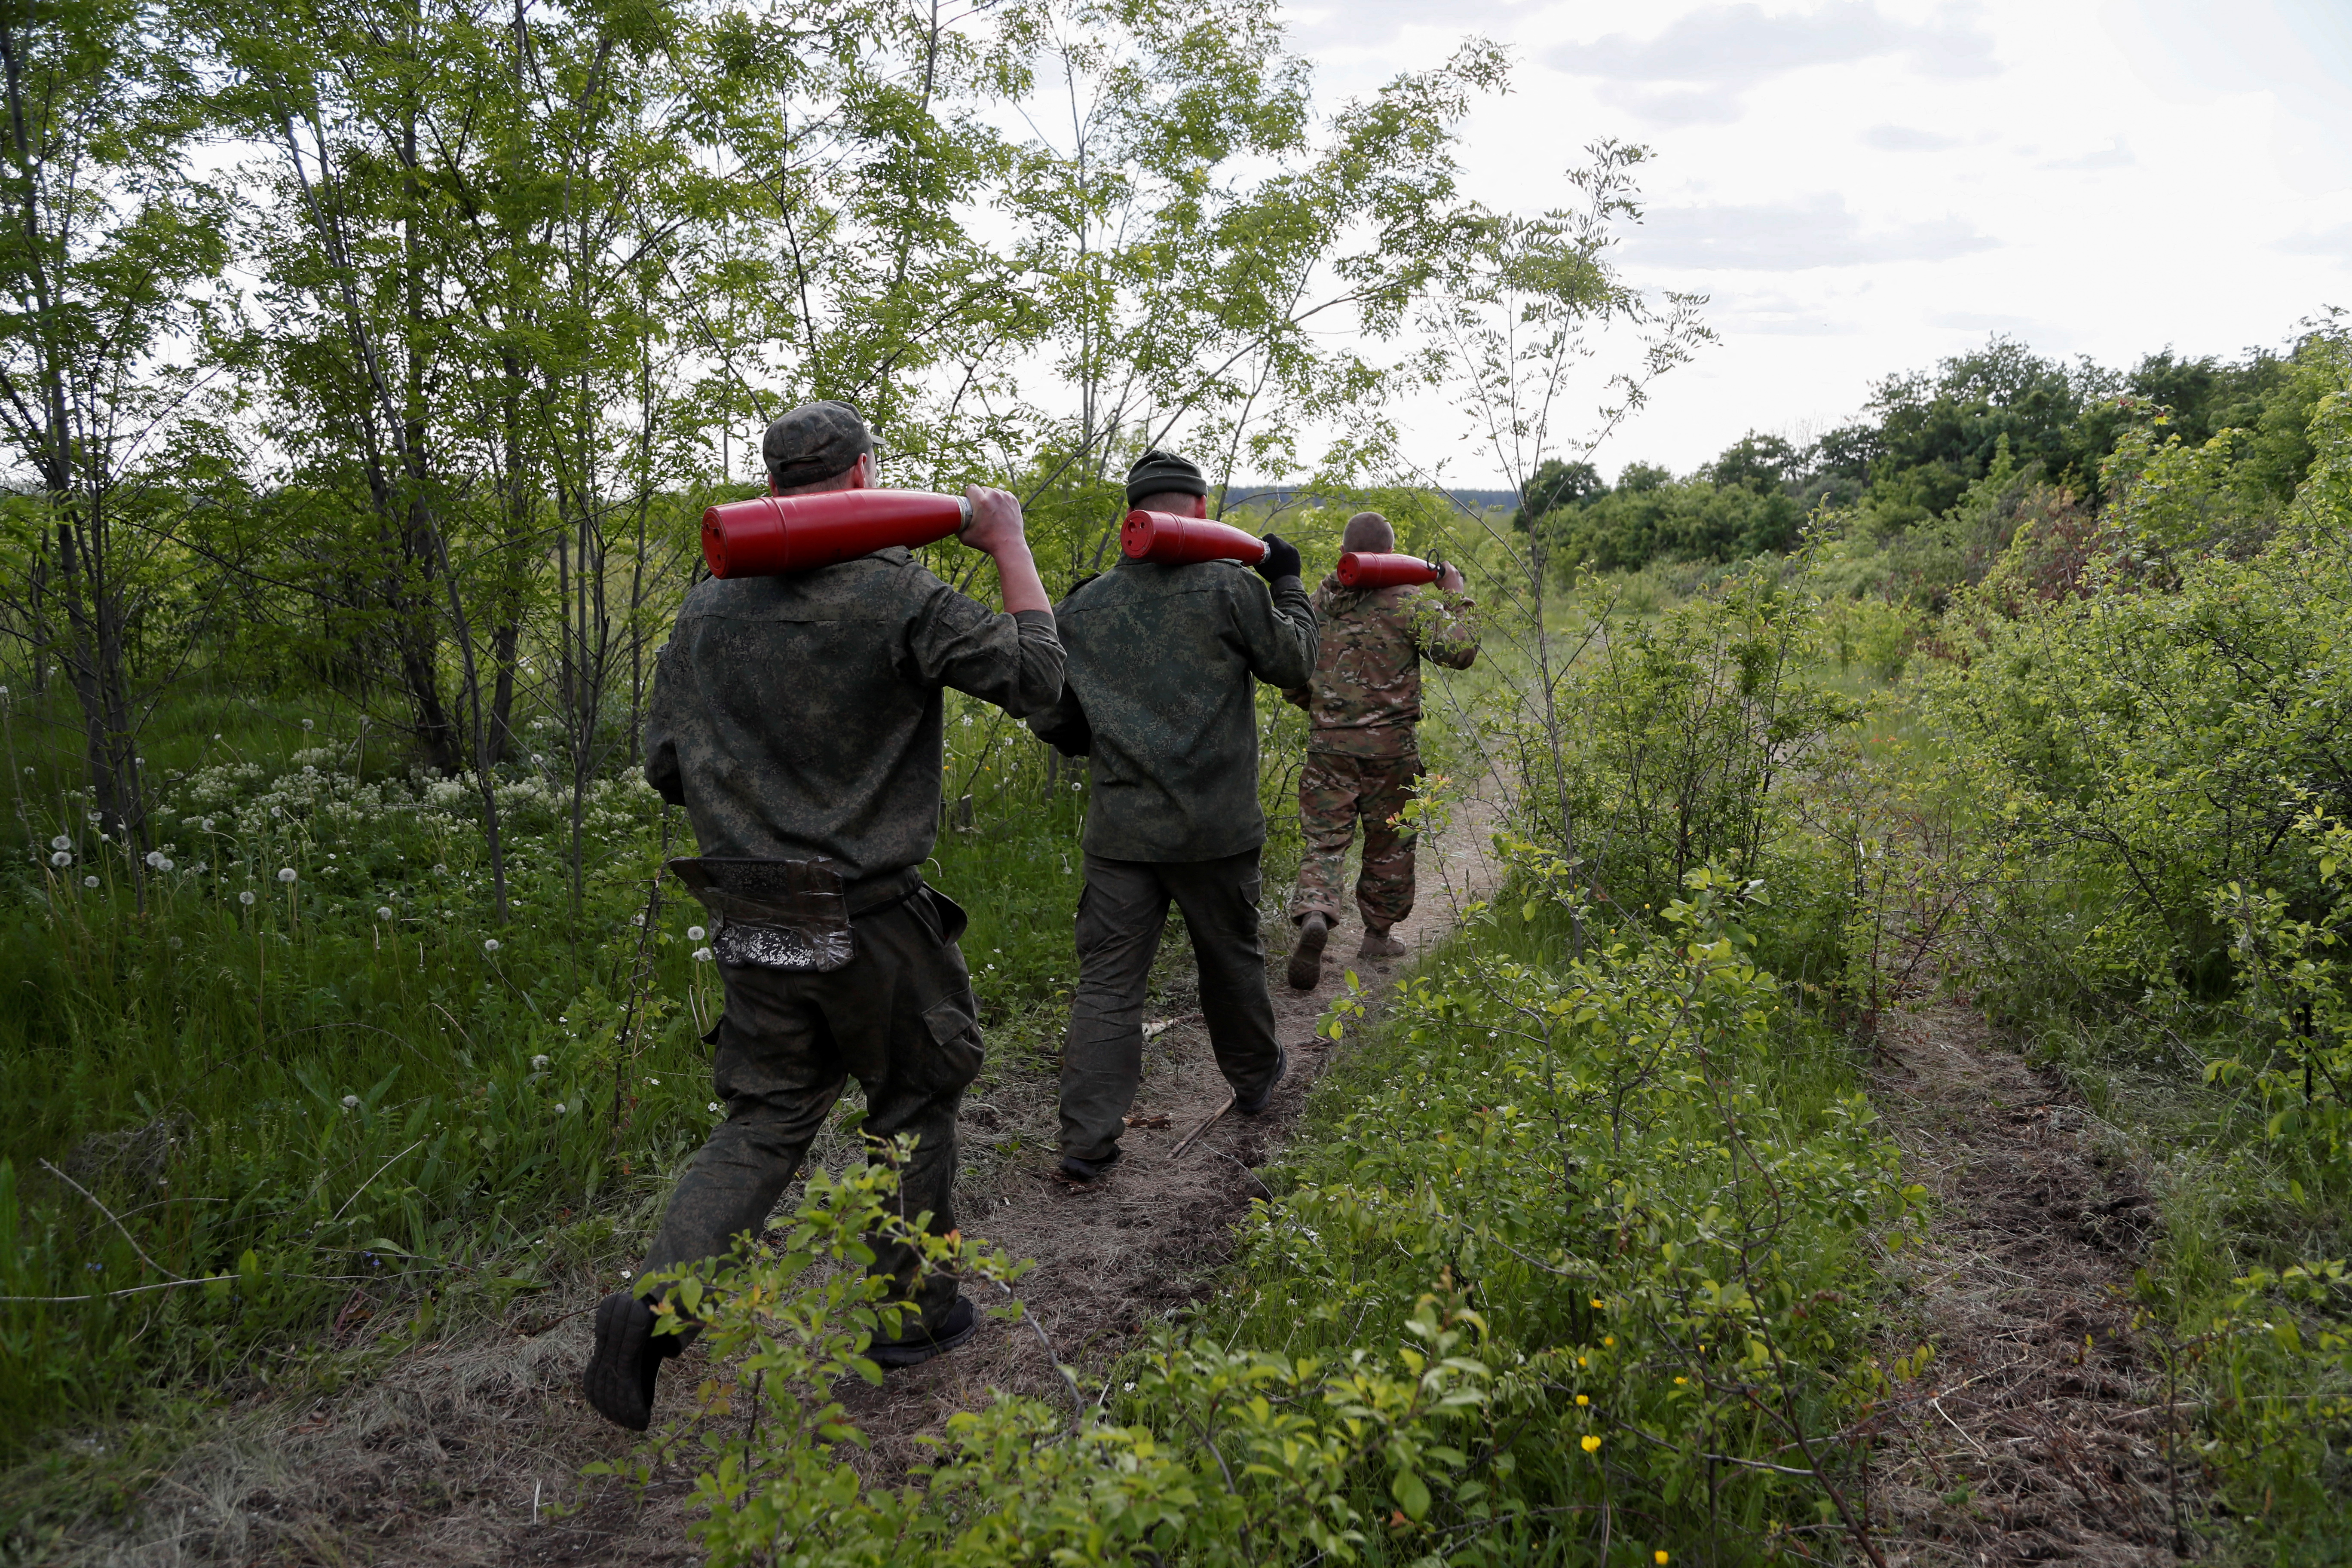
(489, 944)
(155, 859)
(694, 933)
(305, 723)
(701, 954)
(384, 911)
(285, 873)
(89, 881)
(559, 1108)
(206, 824)
(61, 842)
(246, 897)
(539, 1064)
(60, 859)
(351, 1102)
(165, 864)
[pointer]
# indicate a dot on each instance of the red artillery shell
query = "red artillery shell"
(767, 536)
(1360, 569)
(1179, 541)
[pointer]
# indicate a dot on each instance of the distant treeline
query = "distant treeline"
(1915, 479)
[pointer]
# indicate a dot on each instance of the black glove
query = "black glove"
(1280, 560)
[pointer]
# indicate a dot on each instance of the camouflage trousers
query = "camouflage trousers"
(901, 1019)
(1333, 792)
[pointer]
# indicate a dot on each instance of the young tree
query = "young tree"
(107, 245)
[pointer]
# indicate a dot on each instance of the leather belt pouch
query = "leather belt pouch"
(773, 914)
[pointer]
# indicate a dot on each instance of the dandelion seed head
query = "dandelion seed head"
(246, 897)
(539, 1064)
(89, 881)
(351, 1102)
(384, 911)
(61, 842)
(489, 944)
(701, 955)
(285, 873)
(559, 1108)
(694, 933)
(60, 859)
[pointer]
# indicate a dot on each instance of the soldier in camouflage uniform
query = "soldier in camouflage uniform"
(1164, 662)
(1361, 706)
(797, 720)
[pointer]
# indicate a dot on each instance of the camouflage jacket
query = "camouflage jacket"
(1162, 665)
(800, 716)
(1365, 697)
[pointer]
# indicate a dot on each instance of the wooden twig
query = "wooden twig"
(1186, 1142)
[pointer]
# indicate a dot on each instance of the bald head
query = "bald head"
(1369, 532)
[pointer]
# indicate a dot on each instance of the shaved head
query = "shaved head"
(1370, 532)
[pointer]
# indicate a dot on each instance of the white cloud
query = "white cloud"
(2114, 155)
(1907, 138)
(1812, 231)
(1697, 69)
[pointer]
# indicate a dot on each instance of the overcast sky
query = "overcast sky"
(1866, 185)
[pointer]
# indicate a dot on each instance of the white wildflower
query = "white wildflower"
(60, 859)
(695, 934)
(155, 859)
(701, 954)
(559, 1108)
(61, 842)
(165, 864)
(440, 871)
(351, 1102)
(489, 944)
(712, 1107)
(246, 897)
(285, 873)
(305, 723)
(625, 1274)
(206, 824)
(539, 1064)
(96, 817)
(384, 911)
(89, 881)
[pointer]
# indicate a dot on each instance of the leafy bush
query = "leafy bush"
(1567, 1269)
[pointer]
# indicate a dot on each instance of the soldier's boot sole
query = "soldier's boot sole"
(1306, 958)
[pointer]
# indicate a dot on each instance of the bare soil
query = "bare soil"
(2043, 1430)
(468, 1451)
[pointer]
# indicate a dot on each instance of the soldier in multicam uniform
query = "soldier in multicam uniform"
(797, 718)
(1164, 662)
(1361, 706)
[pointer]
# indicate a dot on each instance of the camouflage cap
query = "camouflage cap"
(813, 443)
(1158, 472)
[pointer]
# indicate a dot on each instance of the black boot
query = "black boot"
(619, 1377)
(1256, 1103)
(1306, 958)
(1076, 1170)
(914, 1346)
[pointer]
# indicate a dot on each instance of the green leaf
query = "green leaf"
(1411, 1494)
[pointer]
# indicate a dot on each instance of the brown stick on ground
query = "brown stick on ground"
(1186, 1142)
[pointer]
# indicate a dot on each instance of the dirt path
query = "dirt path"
(459, 1453)
(2044, 1436)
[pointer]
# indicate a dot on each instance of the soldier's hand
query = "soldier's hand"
(1449, 576)
(996, 525)
(1280, 560)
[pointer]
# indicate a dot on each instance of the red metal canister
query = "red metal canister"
(1358, 569)
(1173, 540)
(767, 536)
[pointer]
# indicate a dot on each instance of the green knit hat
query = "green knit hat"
(1158, 472)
